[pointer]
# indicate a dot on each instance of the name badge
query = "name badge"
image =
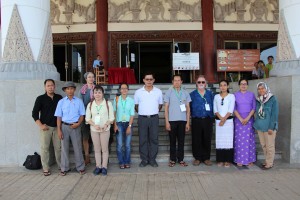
(207, 108)
(182, 108)
(97, 119)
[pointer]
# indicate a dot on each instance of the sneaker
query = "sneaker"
(143, 164)
(154, 164)
(97, 171)
(104, 171)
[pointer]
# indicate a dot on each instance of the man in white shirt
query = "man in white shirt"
(148, 102)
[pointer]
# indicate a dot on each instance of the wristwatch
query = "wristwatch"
(129, 125)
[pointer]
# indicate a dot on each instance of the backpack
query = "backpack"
(33, 161)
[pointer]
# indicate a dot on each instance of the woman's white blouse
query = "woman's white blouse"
(228, 104)
(105, 116)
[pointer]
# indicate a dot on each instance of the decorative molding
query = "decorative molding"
(46, 50)
(246, 36)
(88, 38)
(154, 11)
(68, 8)
(17, 47)
(117, 37)
(285, 50)
(257, 10)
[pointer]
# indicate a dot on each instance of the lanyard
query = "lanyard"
(123, 104)
(202, 96)
(98, 109)
(178, 94)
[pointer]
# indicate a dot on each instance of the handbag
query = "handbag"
(33, 162)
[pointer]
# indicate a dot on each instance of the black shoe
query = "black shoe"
(143, 164)
(154, 164)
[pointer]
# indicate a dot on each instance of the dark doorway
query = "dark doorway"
(157, 58)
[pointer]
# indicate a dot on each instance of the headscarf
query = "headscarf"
(263, 99)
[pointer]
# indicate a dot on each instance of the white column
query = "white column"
(288, 45)
(26, 42)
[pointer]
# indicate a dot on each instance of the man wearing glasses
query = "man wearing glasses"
(202, 123)
(148, 102)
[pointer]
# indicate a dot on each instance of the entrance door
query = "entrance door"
(156, 57)
(76, 60)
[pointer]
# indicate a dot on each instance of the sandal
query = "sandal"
(63, 173)
(220, 164)
(47, 173)
(127, 166)
(183, 164)
(239, 165)
(172, 163)
(122, 166)
(82, 172)
(227, 164)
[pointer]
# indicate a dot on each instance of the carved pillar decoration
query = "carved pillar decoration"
(102, 31)
(88, 38)
(135, 9)
(240, 10)
(69, 11)
(208, 40)
(175, 5)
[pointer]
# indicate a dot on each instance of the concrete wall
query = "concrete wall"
(19, 135)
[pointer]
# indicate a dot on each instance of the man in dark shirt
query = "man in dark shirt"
(43, 115)
(202, 122)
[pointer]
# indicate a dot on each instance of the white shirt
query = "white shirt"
(228, 104)
(148, 101)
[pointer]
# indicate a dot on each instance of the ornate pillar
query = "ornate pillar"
(26, 38)
(102, 31)
(288, 48)
(208, 40)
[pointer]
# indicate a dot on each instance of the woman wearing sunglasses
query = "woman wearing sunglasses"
(223, 109)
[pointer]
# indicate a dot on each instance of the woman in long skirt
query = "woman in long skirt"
(223, 109)
(244, 135)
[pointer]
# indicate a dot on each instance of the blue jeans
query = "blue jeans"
(123, 143)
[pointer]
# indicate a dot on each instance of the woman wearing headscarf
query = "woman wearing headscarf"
(266, 122)
(87, 96)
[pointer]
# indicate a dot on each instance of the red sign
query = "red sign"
(237, 60)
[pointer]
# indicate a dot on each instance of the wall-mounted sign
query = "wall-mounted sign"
(237, 60)
(186, 61)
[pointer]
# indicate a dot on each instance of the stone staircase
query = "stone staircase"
(163, 149)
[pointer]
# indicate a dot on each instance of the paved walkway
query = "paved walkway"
(202, 182)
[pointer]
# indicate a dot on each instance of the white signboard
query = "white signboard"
(186, 61)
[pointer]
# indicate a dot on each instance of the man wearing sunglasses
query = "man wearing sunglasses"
(148, 102)
(202, 123)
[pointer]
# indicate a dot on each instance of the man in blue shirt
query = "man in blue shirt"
(70, 113)
(202, 123)
(98, 63)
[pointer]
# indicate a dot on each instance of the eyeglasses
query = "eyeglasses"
(203, 82)
(243, 84)
(124, 88)
(149, 79)
(222, 102)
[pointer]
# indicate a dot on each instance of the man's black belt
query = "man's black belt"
(148, 116)
(68, 124)
(201, 117)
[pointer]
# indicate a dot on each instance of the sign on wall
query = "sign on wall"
(237, 60)
(186, 61)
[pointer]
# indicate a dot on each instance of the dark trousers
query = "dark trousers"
(148, 136)
(177, 133)
(201, 138)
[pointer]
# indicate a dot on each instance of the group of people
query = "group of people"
(69, 118)
(261, 70)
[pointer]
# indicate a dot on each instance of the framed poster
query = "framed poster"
(237, 60)
(186, 61)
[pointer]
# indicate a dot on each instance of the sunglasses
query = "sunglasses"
(222, 102)
(149, 79)
(203, 82)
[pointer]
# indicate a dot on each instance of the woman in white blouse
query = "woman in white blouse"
(223, 109)
(100, 116)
